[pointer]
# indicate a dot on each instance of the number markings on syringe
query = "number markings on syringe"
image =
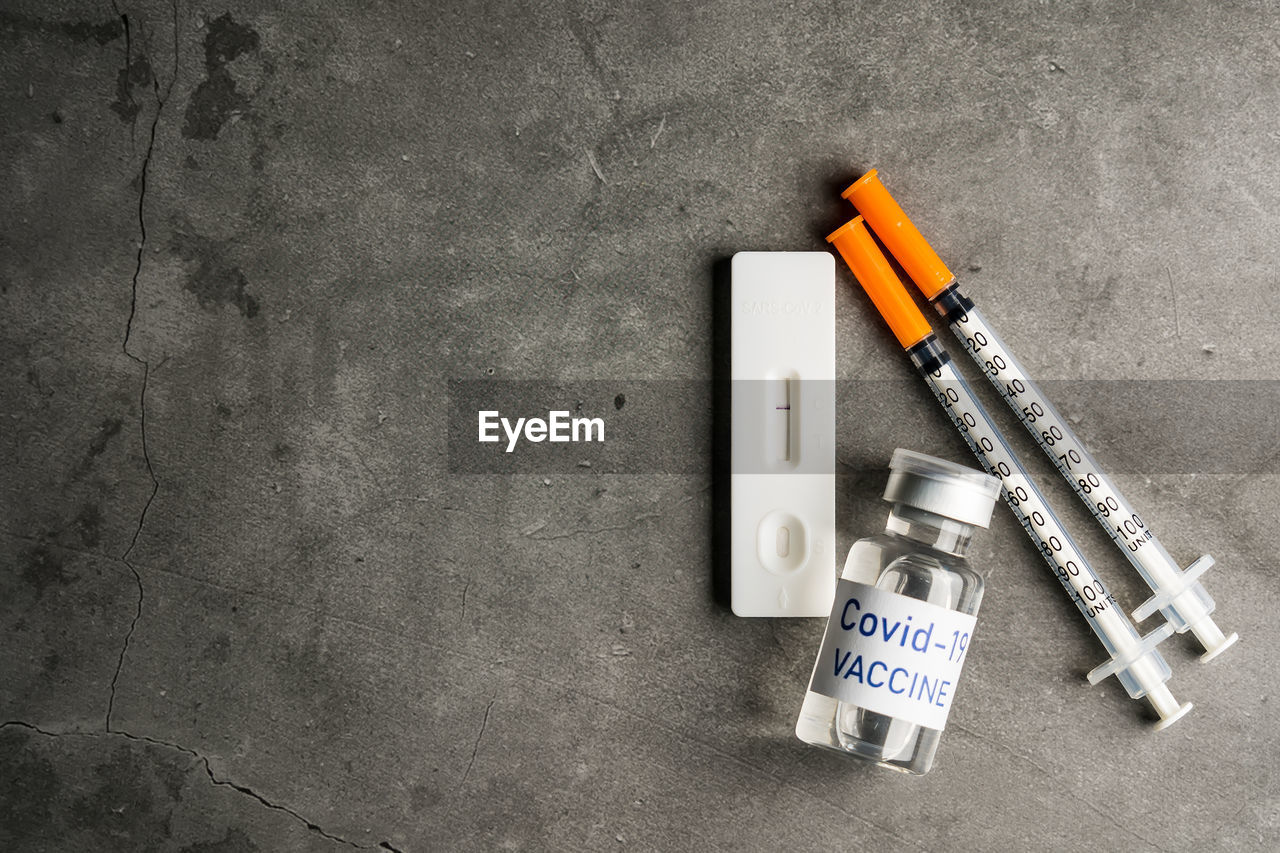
(1121, 521)
(1178, 595)
(1086, 589)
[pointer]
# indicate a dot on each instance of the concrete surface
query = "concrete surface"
(251, 602)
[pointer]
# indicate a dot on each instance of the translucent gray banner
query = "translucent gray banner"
(685, 426)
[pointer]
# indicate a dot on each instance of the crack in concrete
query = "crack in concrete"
(636, 521)
(595, 531)
(161, 99)
(128, 63)
(475, 749)
(213, 778)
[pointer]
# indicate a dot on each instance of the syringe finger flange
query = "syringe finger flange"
(1142, 672)
(1124, 659)
(1186, 605)
(1169, 592)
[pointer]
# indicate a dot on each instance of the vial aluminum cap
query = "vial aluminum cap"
(941, 487)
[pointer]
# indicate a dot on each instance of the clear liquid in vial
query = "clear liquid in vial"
(910, 568)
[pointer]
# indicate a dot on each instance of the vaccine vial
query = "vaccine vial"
(902, 621)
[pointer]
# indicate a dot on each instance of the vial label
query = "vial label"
(892, 654)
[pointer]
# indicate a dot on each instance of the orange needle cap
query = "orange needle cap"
(899, 235)
(854, 243)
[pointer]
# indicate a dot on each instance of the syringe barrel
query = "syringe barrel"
(1054, 435)
(1091, 596)
(1134, 660)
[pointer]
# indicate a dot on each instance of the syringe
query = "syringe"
(1178, 595)
(1134, 659)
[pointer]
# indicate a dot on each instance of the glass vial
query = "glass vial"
(903, 616)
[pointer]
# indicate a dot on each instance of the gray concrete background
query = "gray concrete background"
(246, 605)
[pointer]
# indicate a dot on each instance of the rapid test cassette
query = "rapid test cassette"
(782, 480)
